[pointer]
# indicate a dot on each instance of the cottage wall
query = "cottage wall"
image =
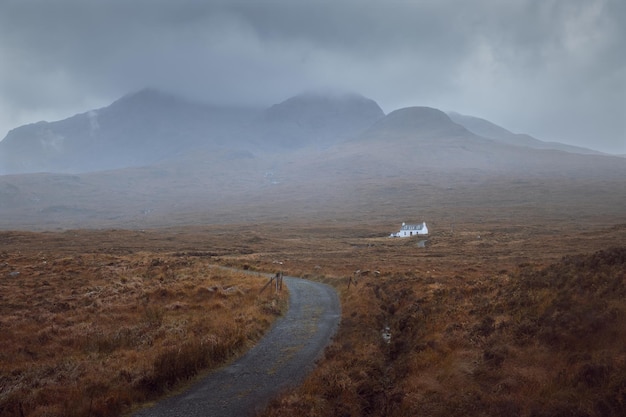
(408, 230)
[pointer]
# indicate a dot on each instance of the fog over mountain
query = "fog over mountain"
(554, 69)
(138, 129)
(155, 159)
(490, 130)
(314, 119)
(149, 126)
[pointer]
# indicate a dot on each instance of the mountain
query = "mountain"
(490, 130)
(426, 137)
(425, 122)
(411, 160)
(139, 129)
(149, 126)
(417, 142)
(314, 120)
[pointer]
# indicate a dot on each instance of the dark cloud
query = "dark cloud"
(553, 68)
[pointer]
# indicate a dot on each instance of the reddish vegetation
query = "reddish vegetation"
(478, 337)
(95, 333)
(537, 342)
(490, 318)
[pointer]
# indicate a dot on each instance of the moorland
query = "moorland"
(512, 309)
(112, 292)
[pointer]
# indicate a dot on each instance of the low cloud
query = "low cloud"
(554, 68)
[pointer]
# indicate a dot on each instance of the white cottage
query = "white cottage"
(408, 230)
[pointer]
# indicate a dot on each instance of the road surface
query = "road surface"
(284, 356)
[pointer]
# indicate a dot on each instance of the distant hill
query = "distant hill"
(413, 159)
(136, 130)
(422, 144)
(427, 137)
(490, 130)
(152, 159)
(151, 126)
(425, 122)
(314, 120)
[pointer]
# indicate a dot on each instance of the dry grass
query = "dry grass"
(506, 311)
(96, 333)
(475, 332)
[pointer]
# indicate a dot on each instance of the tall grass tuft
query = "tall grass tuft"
(119, 330)
(545, 342)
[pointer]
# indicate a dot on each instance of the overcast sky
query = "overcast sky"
(555, 69)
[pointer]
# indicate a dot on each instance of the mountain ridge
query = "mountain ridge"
(120, 135)
(150, 126)
(404, 160)
(490, 130)
(311, 117)
(421, 121)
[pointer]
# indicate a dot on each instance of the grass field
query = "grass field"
(98, 332)
(515, 306)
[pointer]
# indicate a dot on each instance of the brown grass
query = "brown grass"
(516, 310)
(476, 332)
(96, 333)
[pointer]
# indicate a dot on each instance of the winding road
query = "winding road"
(284, 356)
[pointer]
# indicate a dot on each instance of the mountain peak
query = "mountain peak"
(311, 107)
(422, 121)
(319, 119)
(146, 97)
(418, 117)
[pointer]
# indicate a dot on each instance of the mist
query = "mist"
(154, 159)
(553, 70)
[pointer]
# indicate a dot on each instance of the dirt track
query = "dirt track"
(281, 359)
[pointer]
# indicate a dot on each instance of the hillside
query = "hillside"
(423, 122)
(347, 158)
(136, 130)
(313, 120)
(149, 126)
(490, 130)
(375, 180)
(408, 141)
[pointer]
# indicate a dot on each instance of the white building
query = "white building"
(408, 230)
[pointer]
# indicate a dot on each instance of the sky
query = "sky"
(555, 69)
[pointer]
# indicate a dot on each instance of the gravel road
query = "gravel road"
(281, 359)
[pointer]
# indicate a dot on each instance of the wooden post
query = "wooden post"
(278, 282)
(266, 285)
(354, 278)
